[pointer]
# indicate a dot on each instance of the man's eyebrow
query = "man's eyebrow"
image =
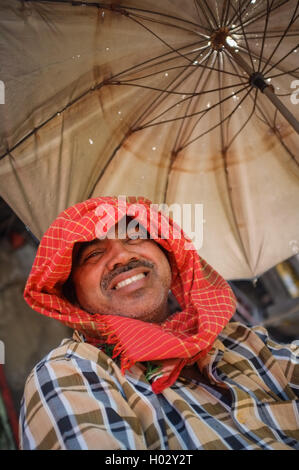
(81, 249)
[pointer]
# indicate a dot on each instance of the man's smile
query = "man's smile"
(128, 278)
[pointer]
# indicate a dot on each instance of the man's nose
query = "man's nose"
(118, 254)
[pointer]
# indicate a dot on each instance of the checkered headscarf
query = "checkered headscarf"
(206, 300)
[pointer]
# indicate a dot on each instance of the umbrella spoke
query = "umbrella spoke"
(253, 19)
(200, 5)
(282, 37)
(155, 103)
(151, 62)
(222, 122)
(220, 82)
(265, 30)
(192, 95)
(168, 69)
(280, 60)
(225, 10)
(204, 111)
(245, 37)
(238, 13)
(160, 39)
(256, 57)
(269, 35)
(245, 123)
(164, 96)
(195, 101)
(217, 25)
(290, 72)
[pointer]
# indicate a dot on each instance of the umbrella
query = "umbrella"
(183, 102)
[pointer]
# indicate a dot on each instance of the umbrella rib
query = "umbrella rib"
(155, 58)
(225, 10)
(199, 3)
(255, 56)
(246, 122)
(149, 123)
(276, 131)
(265, 30)
(189, 104)
(219, 123)
(280, 60)
(276, 34)
(256, 18)
(236, 13)
(246, 40)
(217, 25)
(114, 7)
(290, 72)
(152, 20)
(233, 65)
(220, 62)
(174, 68)
(282, 37)
(156, 100)
(198, 96)
(160, 39)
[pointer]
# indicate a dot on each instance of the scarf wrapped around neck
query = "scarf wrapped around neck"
(206, 300)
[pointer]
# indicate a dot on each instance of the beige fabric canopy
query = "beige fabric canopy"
(145, 98)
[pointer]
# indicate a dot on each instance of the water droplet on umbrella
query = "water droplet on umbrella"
(231, 42)
(253, 1)
(268, 80)
(90, 141)
(195, 62)
(107, 49)
(166, 74)
(294, 246)
(208, 105)
(154, 148)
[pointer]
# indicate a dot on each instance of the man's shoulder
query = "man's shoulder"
(64, 360)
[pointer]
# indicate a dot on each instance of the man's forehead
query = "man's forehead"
(123, 229)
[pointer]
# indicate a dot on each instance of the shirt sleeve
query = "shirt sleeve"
(68, 404)
(286, 355)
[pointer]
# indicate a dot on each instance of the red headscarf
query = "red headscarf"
(206, 300)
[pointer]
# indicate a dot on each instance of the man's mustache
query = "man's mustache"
(122, 269)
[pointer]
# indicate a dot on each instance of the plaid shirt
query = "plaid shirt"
(247, 398)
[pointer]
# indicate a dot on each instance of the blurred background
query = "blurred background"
(272, 300)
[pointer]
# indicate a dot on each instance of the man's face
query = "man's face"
(122, 276)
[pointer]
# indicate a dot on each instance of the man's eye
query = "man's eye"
(93, 254)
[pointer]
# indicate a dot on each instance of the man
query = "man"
(137, 375)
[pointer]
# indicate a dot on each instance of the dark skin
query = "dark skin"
(126, 277)
(122, 276)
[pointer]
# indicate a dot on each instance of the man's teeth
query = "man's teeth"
(129, 280)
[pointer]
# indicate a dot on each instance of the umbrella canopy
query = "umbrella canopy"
(160, 99)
